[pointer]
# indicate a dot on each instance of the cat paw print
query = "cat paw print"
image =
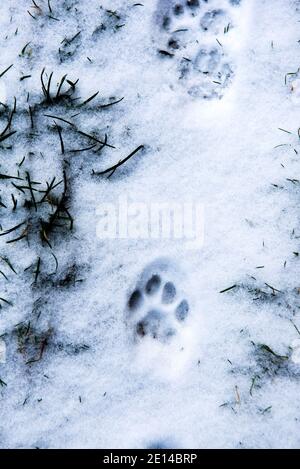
(193, 33)
(159, 318)
(157, 308)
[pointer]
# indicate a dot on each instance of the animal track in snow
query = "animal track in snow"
(192, 32)
(159, 317)
(157, 309)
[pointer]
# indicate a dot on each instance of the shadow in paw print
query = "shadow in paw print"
(135, 300)
(169, 293)
(211, 19)
(207, 61)
(193, 3)
(178, 9)
(169, 11)
(150, 325)
(153, 285)
(182, 310)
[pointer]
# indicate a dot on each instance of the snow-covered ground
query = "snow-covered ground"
(132, 343)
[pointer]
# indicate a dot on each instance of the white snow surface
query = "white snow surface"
(75, 376)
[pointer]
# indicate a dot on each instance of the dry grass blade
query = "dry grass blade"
(113, 168)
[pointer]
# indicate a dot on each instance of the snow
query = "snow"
(76, 373)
